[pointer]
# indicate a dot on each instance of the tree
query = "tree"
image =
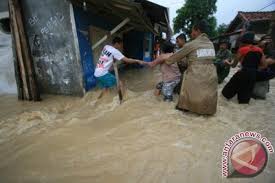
(194, 11)
(212, 26)
(222, 29)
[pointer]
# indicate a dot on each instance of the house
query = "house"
(258, 22)
(66, 37)
(4, 17)
(7, 76)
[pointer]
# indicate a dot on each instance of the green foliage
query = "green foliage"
(212, 26)
(222, 29)
(194, 11)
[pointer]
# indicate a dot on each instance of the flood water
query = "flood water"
(144, 140)
(68, 140)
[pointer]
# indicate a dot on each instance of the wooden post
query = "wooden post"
(119, 26)
(26, 94)
(27, 54)
(23, 55)
(18, 78)
(119, 90)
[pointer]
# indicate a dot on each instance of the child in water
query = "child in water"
(170, 73)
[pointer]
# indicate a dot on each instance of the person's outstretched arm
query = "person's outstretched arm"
(233, 63)
(179, 55)
(158, 61)
(132, 61)
(119, 56)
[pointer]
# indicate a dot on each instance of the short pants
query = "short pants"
(167, 88)
(106, 81)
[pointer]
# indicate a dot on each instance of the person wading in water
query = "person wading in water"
(105, 78)
(200, 82)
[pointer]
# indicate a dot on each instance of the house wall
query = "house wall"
(86, 61)
(84, 19)
(7, 76)
(4, 16)
(234, 40)
(3, 5)
(148, 47)
(261, 27)
(95, 34)
(138, 45)
(133, 44)
(54, 47)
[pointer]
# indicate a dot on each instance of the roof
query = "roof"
(143, 14)
(155, 12)
(243, 17)
(227, 34)
(255, 16)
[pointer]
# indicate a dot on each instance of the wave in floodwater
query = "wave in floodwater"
(67, 139)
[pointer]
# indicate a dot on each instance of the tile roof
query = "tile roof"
(252, 16)
(249, 16)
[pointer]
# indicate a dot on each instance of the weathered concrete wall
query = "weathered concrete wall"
(7, 76)
(54, 47)
(3, 5)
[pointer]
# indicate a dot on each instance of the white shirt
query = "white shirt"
(106, 60)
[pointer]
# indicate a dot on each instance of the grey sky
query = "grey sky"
(226, 9)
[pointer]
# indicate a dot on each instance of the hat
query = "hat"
(248, 38)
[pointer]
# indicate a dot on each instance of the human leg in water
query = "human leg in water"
(231, 88)
(106, 82)
(158, 89)
(123, 88)
(104, 92)
(245, 91)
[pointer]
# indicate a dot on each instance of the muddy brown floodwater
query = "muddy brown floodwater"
(144, 140)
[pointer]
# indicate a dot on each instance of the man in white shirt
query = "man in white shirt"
(109, 54)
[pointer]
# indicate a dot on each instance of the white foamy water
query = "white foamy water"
(7, 78)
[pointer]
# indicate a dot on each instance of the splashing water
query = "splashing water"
(66, 139)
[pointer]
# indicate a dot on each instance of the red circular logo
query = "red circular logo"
(249, 157)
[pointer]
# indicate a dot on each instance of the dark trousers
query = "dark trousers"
(241, 84)
(222, 71)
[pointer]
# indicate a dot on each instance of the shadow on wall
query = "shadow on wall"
(5, 25)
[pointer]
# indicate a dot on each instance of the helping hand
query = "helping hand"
(151, 64)
(140, 62)
(143, 63)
